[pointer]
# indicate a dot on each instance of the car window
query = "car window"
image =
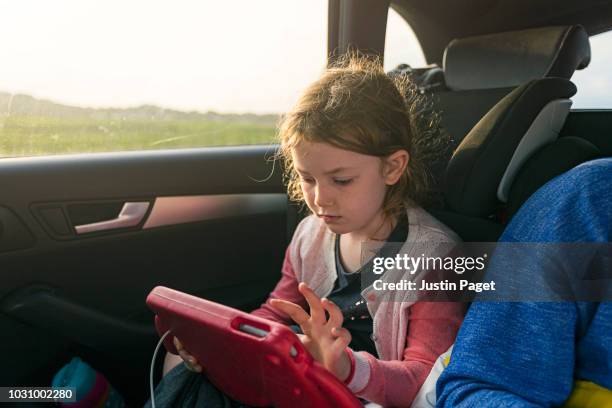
(89, 76)
(401, 44)
(595, 81)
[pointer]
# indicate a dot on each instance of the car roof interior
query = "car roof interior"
(437, 22)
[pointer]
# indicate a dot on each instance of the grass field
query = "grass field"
(29, 135)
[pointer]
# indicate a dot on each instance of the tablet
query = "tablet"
(252, 360)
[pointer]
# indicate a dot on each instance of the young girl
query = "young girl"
(354, 155)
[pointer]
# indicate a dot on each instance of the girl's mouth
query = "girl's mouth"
(330, 218)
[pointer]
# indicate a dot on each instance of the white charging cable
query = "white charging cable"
(153, 368)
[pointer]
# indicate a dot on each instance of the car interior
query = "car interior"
(215, 222)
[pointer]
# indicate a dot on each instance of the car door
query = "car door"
(86, 237)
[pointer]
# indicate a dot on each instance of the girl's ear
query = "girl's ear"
(394, 166)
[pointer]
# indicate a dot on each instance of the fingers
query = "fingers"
(343, 339)
(177, 344)
(335, 314)
(190, 361)
(294, 311)
(342, 334)
(317, 312)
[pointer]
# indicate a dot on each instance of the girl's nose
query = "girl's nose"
(323, 197)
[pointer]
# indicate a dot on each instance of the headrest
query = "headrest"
(513, 58)
(482, 160)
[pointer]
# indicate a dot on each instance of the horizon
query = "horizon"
(132, 107)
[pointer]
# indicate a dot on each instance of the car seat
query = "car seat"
(482, 169)
(479, 71)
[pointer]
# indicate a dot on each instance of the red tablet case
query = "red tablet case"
(252, 360)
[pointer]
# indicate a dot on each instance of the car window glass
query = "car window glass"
(401, 44)
(595, 81)
(90, 76)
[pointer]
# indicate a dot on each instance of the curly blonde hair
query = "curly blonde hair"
(356, 106)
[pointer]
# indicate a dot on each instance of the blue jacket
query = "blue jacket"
(528, 354)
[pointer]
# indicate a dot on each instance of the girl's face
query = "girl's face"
(345, 189)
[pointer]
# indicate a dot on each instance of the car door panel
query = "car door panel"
(215, 225)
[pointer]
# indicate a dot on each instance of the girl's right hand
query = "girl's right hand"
(325, 339)
(190, 361)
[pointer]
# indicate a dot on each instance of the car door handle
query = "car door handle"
(131, 215)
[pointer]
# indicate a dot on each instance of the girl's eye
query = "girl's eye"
(343, 182)
(306, 180)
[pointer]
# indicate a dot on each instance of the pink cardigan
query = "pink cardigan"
(408, 336)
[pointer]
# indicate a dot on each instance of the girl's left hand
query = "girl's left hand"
(324, 338)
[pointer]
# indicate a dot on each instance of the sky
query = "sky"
(227, 56)
(594, 82)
